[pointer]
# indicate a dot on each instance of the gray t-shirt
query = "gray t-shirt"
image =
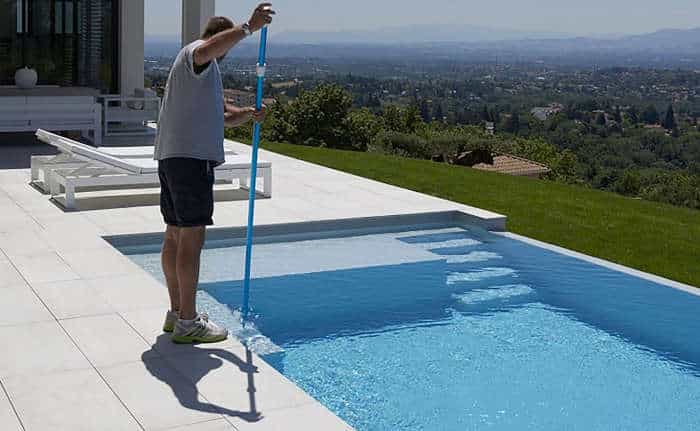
(191, 122)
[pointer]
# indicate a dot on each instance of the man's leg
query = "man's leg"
(189, 248)
(169, 263)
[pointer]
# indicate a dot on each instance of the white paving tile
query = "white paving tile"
(38, 348)
(215, 425)
(309, 417)
(72, 298)
(23, 242)
(72, 400)
(132, 292)
(9, 276)
(13, 218)
(20, 305)
(157, 395)
(227, 377)
(107, 340)
(105, 262)
(72, 236)
(8, 418)
(43, 268)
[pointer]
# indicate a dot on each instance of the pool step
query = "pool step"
(494, 293)
(479, 275)
(473, 257)
(449, 244)
(435, 236)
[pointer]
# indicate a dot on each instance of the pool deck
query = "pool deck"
(81, 323)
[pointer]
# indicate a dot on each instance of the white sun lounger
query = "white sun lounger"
(145, 152)
(91, 168)
(41, 164)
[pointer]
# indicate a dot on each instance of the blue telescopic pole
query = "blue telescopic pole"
(254, 174)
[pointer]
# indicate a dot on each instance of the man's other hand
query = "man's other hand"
(262, 16)
(260, 115)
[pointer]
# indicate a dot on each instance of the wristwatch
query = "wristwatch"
(246, 29)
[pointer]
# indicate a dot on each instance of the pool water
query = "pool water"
(453, 328)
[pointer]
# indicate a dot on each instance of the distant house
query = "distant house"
(490, 127)
(513, 165)
(239, 97)
(542, 113)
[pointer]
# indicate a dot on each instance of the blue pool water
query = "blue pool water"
(459, 329)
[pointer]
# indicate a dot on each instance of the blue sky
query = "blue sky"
(569, 16)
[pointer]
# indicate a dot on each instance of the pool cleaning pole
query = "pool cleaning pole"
(253, 174)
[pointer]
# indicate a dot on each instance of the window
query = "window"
(68, 42)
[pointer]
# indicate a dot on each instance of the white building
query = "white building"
(96, 43)
(81, 50)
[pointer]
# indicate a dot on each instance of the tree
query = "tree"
(633, 114)
(669, 122)
(425, 111)
(363, 127)
(315, 118)
(439, 113)
(403, 120)
(512, 124)
(600, 119)
(485, 114)
(617, 115)
(650, 115)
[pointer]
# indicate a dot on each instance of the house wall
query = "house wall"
(195, 14)
(131, 51)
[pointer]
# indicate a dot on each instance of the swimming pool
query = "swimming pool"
(455, 328)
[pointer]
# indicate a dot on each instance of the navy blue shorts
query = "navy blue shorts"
(186, 191)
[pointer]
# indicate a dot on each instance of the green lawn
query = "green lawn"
(652, 237)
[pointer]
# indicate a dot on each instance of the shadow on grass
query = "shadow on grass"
(200, 362)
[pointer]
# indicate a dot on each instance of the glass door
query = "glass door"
(68, 42)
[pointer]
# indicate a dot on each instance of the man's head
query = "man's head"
(216, 25)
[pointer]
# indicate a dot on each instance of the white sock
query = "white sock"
(187, 322)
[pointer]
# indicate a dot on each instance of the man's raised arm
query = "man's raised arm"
(219, 44)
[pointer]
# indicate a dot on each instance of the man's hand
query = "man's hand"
(262, 16)
(235, 116)
(260, 115)
(218, 45)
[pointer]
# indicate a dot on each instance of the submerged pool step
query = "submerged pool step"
(479, 275)
(435, 236)
(473, 257)
(449, 244)
(494, 293)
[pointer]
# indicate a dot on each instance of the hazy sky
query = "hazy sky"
(569, 16)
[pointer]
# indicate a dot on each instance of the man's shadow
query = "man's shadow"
(203, 360)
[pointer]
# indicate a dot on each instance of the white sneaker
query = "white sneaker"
(201, 330)
(170, 321)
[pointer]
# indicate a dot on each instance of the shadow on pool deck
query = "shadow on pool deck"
(16, 150)
(203, 361)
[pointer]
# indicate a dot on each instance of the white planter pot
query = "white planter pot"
(26, 78)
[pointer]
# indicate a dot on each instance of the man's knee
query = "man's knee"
(172, 236)
(192, 237)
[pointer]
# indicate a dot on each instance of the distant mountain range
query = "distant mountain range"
(419, 33)
(671, 46)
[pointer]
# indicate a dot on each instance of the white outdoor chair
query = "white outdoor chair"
(95, 170)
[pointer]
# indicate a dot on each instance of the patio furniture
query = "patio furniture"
(130, 115)
(51, 108)
(42, 165)
(90, 168)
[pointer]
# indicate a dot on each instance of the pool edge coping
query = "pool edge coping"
(457, 217)
(667, 282)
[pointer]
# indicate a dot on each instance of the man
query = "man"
(189, 145)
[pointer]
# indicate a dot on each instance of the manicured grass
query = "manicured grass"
(652, 237)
